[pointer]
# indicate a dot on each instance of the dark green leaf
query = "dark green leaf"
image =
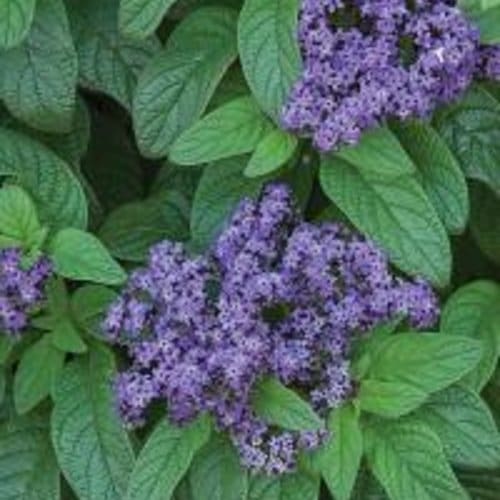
(140, 18)
(296, 486)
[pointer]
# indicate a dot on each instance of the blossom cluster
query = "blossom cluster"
(22, 289)
(369, 60)
(274, 297)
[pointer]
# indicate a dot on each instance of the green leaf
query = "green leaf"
(485, 221)
(480, 483)
(379, 153)
(48, 180)
(65, 337)
(488, 21)
(269, 50)
(221, 188)
(439, 173)
(427, 361)
(16, 17)
(396, 213)
(132, 229)
(471, 128)
(18, 217)
(108, 62)
(273, 151)
(28, 469)
(81, 256)
(6, 346)
(233, 129)
(140, 18)
(92, 448)
(340, 459)
(465, 427)
(295, 486)
(40, 76)
(165, 458)
(38, 370)
(474, 311)
(281, 406)
(389, 399)
(408, 460)
(216, 472)
(176, 86)
(3, 384)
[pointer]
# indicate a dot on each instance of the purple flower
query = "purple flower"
(275, 296)
(22, 289)
(369, 60)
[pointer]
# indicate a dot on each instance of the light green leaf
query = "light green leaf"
(81, 256)
(28, 468)
(38, 370)
(216, 472)
(396, 213)
(233, 129)
(439, 173)
(488, 20)
(427, 361)
(108, 62)
(464, 425)
(269, 50)
(379, 153)
(340, 459)
(176, 86)
(408, 460)
(40, 76)
(474, 311)
(278, 405)
(140, 18)
(295, 486)
(16, 17)
(389, 399)
(92, 448)
(471, 128)
(18, 217)
(221, 188)
(65, 337)
(273, 151)
(165, 458)
(48, 180)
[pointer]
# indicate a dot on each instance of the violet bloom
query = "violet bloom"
(22, 290)
(368, 60)
(275, 296)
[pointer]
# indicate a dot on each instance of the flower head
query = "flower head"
(275, 296)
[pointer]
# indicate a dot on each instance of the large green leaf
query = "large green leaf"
(216, 472)
(474, 311)
(340, 459)
(140, 18)
(427, 361)
(176, 86)
(47, 178)
(408, 460)
(465, 427)
(92, 448)
(281, 406)
(395, 212)
(220, 189)
(471, 128)
(295, 486)
(28, 468)
(439, 173)
(108, 62)
(40, 76)
(81, 256)
(487, 18)
(165, 459)
(36, 374)
(233, 129)
(269, 50)
(16, 17)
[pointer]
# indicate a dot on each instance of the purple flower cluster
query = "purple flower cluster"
(21, 289)
(368, 60)
(275, 296)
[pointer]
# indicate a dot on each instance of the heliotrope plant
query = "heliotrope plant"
(249, 249)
